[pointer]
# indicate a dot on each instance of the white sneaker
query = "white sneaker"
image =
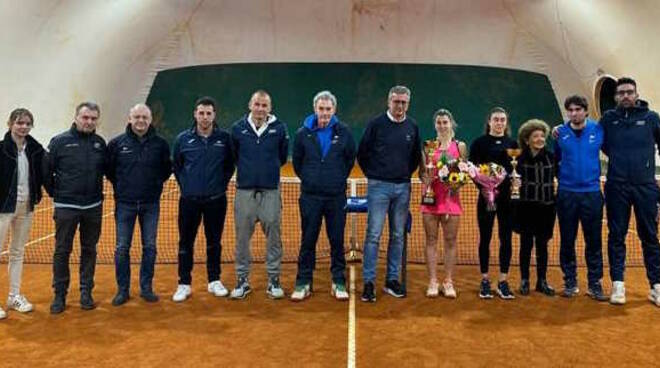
(654, 295)
(448, 290)
(339, 291)
(300, 293)
(432, 290)
(3, 314)
(216, 288)
(182, 293)
(618, 295)
(19, 303)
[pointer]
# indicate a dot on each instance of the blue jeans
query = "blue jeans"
(125, 216)
(392, 199)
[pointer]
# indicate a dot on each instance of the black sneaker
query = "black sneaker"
(121, 298)
(368, 292)
(570, 289)
(595, 292)
(524, 287)
(149, 296)
(503, 290)
(86, 300)
(393, 288)
(543, 287)
(59, 304)
(484, 289)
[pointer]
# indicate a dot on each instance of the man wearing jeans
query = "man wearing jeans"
(579, 200)
(260, 142)
(323, 156)
(203, 165)
(139, 164)
(73, 176)
(389, 153)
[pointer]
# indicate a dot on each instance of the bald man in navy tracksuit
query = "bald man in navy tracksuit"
(631, 134)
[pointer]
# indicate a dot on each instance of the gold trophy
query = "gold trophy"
(430, 147)
(515, 177)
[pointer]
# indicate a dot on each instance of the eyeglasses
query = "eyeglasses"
(630, 92)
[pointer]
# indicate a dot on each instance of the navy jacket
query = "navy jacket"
(390, 151)
(138, 167)
(74, 168)
(258, 159)
(577, 157)
(631, 137)
(9, 173)
(323, 175)
(202, 166)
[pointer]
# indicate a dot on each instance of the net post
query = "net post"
(354, 251)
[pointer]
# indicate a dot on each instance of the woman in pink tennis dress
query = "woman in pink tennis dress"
(447, 209)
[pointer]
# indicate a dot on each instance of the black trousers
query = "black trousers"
(486, 220)
(67, 221)
(313, 209)
(191, 212)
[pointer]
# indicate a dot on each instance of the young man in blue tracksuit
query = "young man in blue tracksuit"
(389, 153)
(323, 156)
(579, 199)
(138, 166)
(260, 143)
(632, 132)
(203, 165)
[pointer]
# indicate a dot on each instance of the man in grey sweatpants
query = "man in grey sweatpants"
(260, 143)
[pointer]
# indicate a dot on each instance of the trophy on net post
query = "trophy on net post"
(430, 147)
(515, 177)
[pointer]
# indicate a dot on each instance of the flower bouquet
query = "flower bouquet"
(489, 177)
(452, 172)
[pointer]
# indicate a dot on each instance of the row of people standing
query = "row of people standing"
(203, 160)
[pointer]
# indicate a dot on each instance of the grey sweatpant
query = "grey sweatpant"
(265, 206)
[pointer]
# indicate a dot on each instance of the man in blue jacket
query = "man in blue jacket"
(73, 176)
(389, 153)
(323, 156)
(260, 143)
(203, 165)
(632, 132)
(579, 199)
(138, 165)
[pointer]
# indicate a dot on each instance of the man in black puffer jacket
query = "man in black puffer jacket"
(73, 176)
(323, 156)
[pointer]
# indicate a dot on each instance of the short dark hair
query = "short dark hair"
(89, 105)
(626, 80)
(576, 100)
(206, 101)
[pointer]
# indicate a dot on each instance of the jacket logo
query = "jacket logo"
(97, 145)
(244, 131)
(219, 144)
(408, 137)
(498, 142)
(272, 131)
(615, 122)
(72, 145)
(592, 138)
(191, 140)
(640, 122)
(565, 137)
(126, 150)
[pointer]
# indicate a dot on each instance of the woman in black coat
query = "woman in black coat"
(535, 210)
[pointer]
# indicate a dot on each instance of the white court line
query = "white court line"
(51, 235)
(351, 321)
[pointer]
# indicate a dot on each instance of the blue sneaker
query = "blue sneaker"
(484, 289)
(503, 290)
